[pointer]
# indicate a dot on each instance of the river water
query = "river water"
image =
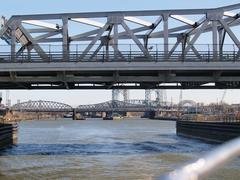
(102, 150)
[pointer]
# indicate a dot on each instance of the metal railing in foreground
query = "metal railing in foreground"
(204, 166)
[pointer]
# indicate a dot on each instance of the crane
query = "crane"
(223, 96)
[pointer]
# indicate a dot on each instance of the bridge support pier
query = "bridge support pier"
(74, 114)
(149, 114)
(108, 114)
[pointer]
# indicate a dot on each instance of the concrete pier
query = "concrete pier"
(8, 134)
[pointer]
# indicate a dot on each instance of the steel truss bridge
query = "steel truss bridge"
(124, 50)
(41, 106)
(109, 106)
(119, 106)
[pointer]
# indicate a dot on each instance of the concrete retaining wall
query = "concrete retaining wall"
(8, 135)
(217, 132)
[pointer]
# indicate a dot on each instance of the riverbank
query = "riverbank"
(23, 116)
(8, 134)
(166, 118)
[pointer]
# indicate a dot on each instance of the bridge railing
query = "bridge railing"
(128, 53)
(124, 57)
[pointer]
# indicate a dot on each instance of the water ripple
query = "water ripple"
(111, 148)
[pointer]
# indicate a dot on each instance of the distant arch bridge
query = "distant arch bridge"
(42, 106)
(188, 103)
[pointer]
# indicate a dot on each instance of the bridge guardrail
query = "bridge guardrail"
(128, 53)
(126, 57)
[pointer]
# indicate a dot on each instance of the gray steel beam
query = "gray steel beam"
(215, 39)
(36, 46)
(121, 79)
(118, 66)
(65, 43)
(47, 35)
(13, 42)
(125, 13)
(196, 36)
(135, 39)
(101, 31)
(89, 87)
(165, 34)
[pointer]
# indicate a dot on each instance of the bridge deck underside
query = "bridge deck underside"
(126, 75)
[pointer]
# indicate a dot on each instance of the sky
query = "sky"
(76, 97)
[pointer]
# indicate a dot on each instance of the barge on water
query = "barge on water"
(216, 132)
(214, 123)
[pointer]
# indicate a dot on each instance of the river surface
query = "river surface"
(102, 150)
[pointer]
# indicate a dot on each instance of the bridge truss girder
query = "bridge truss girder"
(106, 31)
(118, 106)
(41, 106)
(163, 48)
(134, 105)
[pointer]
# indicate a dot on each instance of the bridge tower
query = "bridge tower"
(161, 96)
(148, 95)
(117, 93)
(126, 95)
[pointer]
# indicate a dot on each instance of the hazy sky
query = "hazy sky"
(75, 97)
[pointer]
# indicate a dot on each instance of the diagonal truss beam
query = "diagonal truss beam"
(47, 35)
(135, 39)
(155, 25)
(83, 35)
(38, 49)
(88, 22)
(138, 21)
(230, 33)
(183, 19)
(100, 33)
(196, 36)
(42, 24)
